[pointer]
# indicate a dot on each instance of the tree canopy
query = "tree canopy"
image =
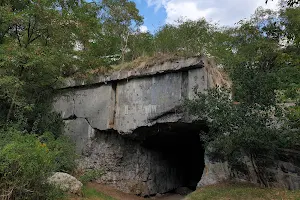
(259, 116)
(289, 2)
(43, 41)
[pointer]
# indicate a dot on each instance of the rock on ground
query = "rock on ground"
(66, 182)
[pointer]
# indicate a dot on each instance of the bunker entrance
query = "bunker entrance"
(179, 145)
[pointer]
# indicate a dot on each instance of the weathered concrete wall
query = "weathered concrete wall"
(129, 166)
(130, 102)
(95, 104)
(141, 102)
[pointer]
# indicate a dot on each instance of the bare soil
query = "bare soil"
(119, 195)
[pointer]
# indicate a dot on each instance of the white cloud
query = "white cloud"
(188, 10)
(157, 3)
(225, 12)
(144, 29)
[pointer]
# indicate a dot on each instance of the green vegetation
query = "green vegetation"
(288, 2)
(27, 161)
(91, 175)
(41, 43)
(240, 191)
(37, 51)
(251, 118)
(90, 193)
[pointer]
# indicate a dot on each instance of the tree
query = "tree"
(140, 45)
(120, 19)
(290, 3)
(193, 38)
(237, 130)
(37, 44)
(37, 40)
(250, 118)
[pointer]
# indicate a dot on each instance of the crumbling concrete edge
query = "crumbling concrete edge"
(167, 67)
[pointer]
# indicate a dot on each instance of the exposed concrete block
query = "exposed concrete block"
(64, 105)
(197, 82)
(81, 133)
(140, 100)
(94, 104)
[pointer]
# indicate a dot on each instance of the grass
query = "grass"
(219, 77)
(146, 62)
(90, 175)
(242, 192)
(139, 63)
(90, 193)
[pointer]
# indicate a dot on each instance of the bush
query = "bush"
(63, 149)
(26, 161)
(91, 175)
(239, 129)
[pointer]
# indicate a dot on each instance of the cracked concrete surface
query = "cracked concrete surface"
(125, 105)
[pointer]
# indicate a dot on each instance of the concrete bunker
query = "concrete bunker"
(129, 123)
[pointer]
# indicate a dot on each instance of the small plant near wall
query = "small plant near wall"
(91, 175)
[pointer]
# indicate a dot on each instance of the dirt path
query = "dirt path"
(124, 196)
(171, 197)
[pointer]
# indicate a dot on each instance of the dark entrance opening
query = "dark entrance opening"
(179, 144)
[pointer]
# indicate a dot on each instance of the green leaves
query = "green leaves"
(190, 37)
(260, 114)
(39, 43)
(28, 161)
(239, 129)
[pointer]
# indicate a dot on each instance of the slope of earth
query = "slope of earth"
(242, 192)
(95, 191)
(224, 191)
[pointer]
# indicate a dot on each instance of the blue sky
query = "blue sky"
(156, 13)
(225, 12)
(153, 17)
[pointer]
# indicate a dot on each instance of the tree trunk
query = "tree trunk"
(11, 105)
(257, 171)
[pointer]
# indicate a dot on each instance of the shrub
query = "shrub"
(63, 149)
(238, 129)
(26, 161)
(91, 175)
